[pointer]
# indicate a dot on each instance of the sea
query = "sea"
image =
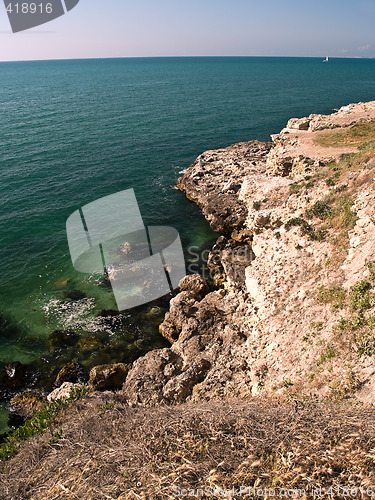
(74, 131)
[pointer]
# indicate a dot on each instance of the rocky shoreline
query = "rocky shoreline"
(290, 310)
(297, 220)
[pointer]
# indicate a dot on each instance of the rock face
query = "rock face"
(108, 377)
(195, 285)
(215, 179)
(295, 268)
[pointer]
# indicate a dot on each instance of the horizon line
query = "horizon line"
(83, 58)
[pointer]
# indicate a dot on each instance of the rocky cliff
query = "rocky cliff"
(291, 306)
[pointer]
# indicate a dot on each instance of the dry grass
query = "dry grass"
(355, 135)
(112, 451)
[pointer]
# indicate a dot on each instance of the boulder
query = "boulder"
(178, 388)
(25, 404)
(149, 374)
(181, 307)
(298, 124)
(11, 377)
(108, 377)
(63, 392)
(195, 285)
(71, 372)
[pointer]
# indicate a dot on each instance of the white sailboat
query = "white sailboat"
(326, 59)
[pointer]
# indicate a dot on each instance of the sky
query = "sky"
(141, 28)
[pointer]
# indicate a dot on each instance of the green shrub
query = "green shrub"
(329, 353)
(41, 421)
(360, 297)
(320, 209)
(336, 296)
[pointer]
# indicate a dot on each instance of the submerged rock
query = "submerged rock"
(60, 339)
(108, 313)
(11, 378)
(75, 295)
(90, 343)
(25, 404)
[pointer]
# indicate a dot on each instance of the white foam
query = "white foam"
(77, 315)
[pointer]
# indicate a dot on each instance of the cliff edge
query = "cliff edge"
(292, 310)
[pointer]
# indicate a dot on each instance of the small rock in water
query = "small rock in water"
(61, 284)
(71, 372)
(107, 313)
(25, 404)
(126, 248)
(75, 295)
(11, 377)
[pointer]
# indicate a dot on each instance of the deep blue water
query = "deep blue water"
(74, 131)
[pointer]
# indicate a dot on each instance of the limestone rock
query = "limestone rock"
(178, 388)
(108, 377)
(149, 374)
(279, 162)
(181, 308)
(195, 285)
(229, 259)
(62, 392)
(223, 172)
(298, 124)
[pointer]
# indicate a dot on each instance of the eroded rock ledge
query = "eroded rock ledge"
(295, 270)
(214, 180)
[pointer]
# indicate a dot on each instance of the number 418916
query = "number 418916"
(29, 8)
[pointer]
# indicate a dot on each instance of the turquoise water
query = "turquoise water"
(74, 131)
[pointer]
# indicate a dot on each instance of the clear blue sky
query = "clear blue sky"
(123, 28)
